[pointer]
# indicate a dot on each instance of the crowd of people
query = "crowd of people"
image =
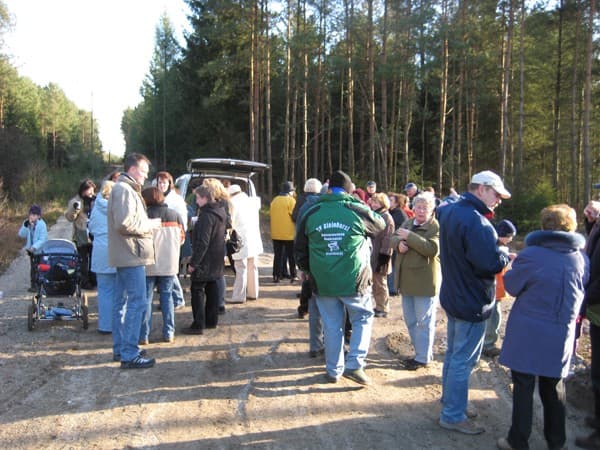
(350, 250)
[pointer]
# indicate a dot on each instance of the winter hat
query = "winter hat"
(341, 179)
(505, 228)
(287, 187)
(35, 209)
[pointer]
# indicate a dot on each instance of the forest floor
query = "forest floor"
(249, 383)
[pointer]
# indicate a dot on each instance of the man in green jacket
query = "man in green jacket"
(332, 247)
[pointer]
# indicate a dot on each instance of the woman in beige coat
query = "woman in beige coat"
(418, 277)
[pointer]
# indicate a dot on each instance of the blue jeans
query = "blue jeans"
(165, 290)
(177, 292)
(360, 312)
(315, 326)
(419, 316)
(492, 328)
(106, 293)
(465, 341)
(129, 306)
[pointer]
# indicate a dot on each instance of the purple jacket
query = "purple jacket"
(547, 279)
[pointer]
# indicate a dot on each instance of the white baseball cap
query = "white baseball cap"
(489, 178)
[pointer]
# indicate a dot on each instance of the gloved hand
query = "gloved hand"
(26, 223)
(382, 262)
(76, 205)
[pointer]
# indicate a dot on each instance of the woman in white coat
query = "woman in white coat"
(245, 221)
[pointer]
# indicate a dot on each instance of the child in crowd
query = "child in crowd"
(34, 230)
(506, 232)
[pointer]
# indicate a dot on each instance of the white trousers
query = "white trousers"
(246, 280)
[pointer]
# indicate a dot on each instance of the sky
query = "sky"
(97, 51)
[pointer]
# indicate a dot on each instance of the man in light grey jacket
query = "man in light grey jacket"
(130, 249)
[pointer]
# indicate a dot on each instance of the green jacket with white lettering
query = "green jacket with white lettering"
(332, 244)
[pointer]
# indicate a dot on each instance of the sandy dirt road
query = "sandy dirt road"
(248, 384)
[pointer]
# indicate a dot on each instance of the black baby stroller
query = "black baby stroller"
(58, 274)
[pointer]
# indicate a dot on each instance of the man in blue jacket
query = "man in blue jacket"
(470, 259)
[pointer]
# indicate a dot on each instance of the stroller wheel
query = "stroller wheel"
(84, 317)
(30, 319)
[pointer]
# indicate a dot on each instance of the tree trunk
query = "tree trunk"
(587, 101)
(557, 89)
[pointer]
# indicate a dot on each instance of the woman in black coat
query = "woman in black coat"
(206, 263)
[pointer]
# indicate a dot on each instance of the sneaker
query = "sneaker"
(192, 331)
(465, 427)
(380, 313)
(590, 441)
(491, 352)
(412, 364)
(503, 444)
(169, 339)
(117, 358)
(315, 353)
(180, 306)
(139, 362)
(144, 341)
(357, 375)
(331, 378)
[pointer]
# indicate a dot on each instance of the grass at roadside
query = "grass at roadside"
(11, 219)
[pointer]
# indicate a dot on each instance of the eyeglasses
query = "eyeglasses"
(421, 208)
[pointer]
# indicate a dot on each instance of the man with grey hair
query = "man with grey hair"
(470, 259)
(312, 188)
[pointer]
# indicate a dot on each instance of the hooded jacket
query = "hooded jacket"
(208, 243)
(167, 241)
(470, 259)
(331, 244)
(547, 279)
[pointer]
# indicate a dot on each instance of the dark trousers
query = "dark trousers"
(595, 369)
(552, 394)
(32, 270)
(283, 254)
(88, 278)
(205, 304)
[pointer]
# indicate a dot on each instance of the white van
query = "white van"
(229, 171)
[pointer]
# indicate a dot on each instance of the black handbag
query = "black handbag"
(234, 242)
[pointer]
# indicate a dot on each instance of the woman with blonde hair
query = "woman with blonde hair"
(221, 196)
(547, 278)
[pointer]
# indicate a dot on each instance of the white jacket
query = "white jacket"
(245, 221)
